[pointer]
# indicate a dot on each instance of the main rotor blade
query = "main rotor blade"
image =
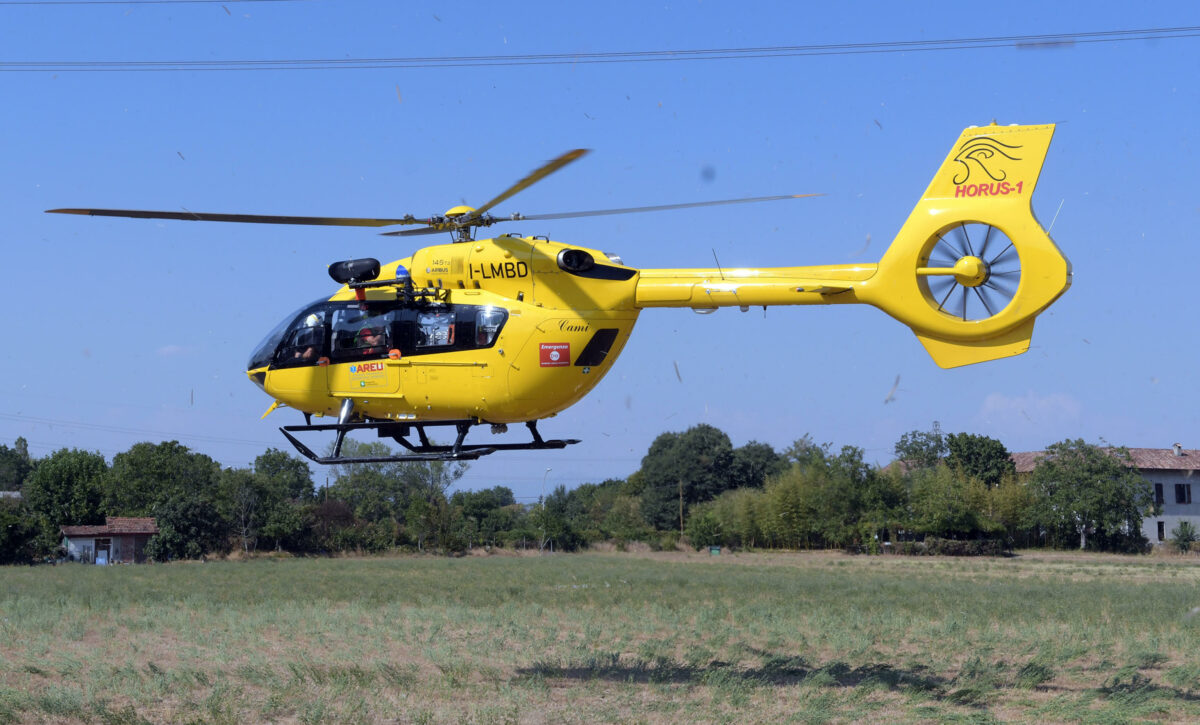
(660, 207)
(537, 175)
(246, 218)
(437, 229)
(599, 212)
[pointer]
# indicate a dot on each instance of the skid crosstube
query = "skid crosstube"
(423, 450)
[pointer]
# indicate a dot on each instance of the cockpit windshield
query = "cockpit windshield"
(264, 353)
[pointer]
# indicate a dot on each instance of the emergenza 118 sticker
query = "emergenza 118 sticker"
(555, 354)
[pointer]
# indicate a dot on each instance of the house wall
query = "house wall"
(129, 548)
(125, 548)
(1172, 512)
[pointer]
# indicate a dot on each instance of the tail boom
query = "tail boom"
(744, 287)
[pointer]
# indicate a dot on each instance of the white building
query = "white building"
(1171, 471)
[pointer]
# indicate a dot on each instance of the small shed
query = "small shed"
(119, 540)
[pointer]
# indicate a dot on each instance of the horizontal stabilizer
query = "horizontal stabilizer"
(951, 354)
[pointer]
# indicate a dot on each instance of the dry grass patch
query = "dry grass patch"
(603, 637)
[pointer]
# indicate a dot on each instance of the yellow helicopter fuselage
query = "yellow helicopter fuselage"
(537, 363)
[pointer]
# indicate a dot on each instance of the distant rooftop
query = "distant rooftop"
(1146, 459)
(114, 525)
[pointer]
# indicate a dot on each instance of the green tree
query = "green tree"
(244, 505)
(152, 474)
(189, 527)
(329, 518)
(682, 469)
(948, 505)
(478, 504)
(15, 465)
(476, 507)
(1010, 504)
(883, 503)
(753, 463)
(550, 518)
(20, 536)
(979, 457)
(738, 513)
(704, 526)
(374, 490)
(286, 476)
(411, 495)
(805, 451)
(819, 501)
(1083, 491)
(500, 523)
(67, 487)
(623, 520)
(922, 449)
(287, 525)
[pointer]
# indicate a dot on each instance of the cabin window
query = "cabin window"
(488, 321)
(359, 333)
(435, 329)
(346, 331)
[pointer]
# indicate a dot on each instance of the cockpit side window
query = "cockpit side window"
(304, 342)
(488, 321)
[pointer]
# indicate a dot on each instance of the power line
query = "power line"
(1037, 41)
(135, 431)
(141, 2)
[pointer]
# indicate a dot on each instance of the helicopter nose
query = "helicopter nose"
(259, 378)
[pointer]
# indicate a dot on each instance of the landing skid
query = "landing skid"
(422, 450)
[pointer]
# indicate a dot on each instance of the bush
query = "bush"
(969, 547)
(667, 541)
(934, 546)
(909, 548)
(703, 528)
(1184, 535)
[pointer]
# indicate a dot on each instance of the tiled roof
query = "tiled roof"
(114, 525)
(1146, 459)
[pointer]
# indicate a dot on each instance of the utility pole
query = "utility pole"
(542, 540)
(681, 507)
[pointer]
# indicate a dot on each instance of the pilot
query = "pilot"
(308, 339)
(369, 341)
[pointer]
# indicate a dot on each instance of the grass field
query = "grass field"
(605, 638)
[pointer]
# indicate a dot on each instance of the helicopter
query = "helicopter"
(514, 329)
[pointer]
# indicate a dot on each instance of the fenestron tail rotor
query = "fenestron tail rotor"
(972, 271)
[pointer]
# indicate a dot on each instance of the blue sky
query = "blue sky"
(129, 330)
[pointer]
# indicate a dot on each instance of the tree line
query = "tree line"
(952, 493)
